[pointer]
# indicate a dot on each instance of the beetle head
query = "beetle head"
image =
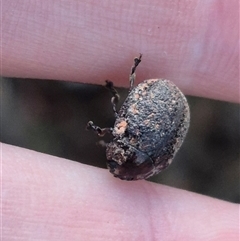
(128, 163)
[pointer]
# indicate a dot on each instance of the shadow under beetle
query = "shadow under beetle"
(149, 128)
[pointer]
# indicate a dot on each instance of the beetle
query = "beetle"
(149, 128)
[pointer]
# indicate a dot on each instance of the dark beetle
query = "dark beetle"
(149, 128)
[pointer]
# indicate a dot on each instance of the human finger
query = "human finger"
(192, 43)
(49, 198)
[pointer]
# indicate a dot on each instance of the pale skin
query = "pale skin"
(193, 43)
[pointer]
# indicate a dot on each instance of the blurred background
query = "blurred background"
(50, 117)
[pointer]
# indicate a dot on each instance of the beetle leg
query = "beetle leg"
(115, 98)
(102, 143)
(132, 76)
(99, 131)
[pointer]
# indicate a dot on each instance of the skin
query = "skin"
(193, 43)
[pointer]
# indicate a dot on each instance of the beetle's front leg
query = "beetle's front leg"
(132, 75)
(115, 98)
(99, 131)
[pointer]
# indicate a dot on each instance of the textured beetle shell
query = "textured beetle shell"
(151, 126)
